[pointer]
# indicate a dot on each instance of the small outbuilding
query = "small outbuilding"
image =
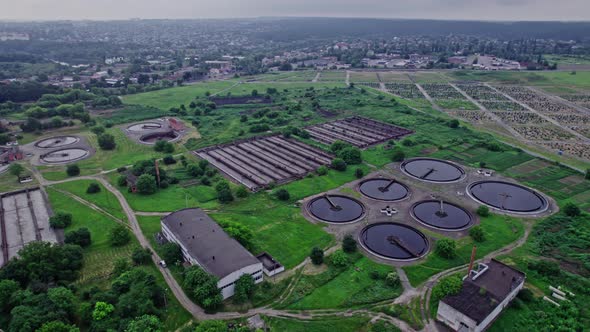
(203, 242)
(486, 291)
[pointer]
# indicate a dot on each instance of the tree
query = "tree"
(141, 256)
(392, 279)
(106, 141)
(483, 211)
(224, 194)
(16, 169)
(254, 93)
(447, 286)
(339, 164)
(121, 266)
(587, 176)
(477, 234)
(163, 146)
(317, 256)
(171, 253)
(351, 155)
(242, 192)
(212, 326)
(338, 146)
(322, 170)
(102, 310)
(349, 244)
(81, 237)
(359, 173)
(244, 288)
(446, 248)
(60, 220)
(339, 259)
(57, 326)
(119, 236)
(454, 123)
(282, 194)
(169, 160)
(145, 323)
(7, 289)
(146, 184)
(73, 170)
(93, 188)
(571, 210)
(398, 155)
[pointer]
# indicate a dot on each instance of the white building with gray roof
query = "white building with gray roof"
(203, 242)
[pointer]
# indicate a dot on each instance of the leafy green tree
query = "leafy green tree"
(164, 146)
(571, 210)
(282, 194)
(587, 176)
(169, 160)
(339, 259)
(338, 146)
(477, 234)
(212, 326)
(93, 188)
(446, 248)
(348, 244)
(119, 236)
(454, 123)
(102, 310)
(141, 256)
(239, 232)
(359, 173)
(145, 323)
(392, 279)
(121, 266)
(242, 192)
(146, 184)
(483, 211)
(317, 256)
(73, 170)
(80, 237)
(107, 141)
(224, 194)
(398, 155)
(203, 287)
(16, 169)
(244, 288)
(171, 253)
(7, 289)
(60, 220)
(447, 286)
(339, 164)
(351, 155)
(57, 326)
(322, 170)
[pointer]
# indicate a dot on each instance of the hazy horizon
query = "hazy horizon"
(465, 10)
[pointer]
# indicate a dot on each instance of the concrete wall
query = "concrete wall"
(227, 284)
(453, 318)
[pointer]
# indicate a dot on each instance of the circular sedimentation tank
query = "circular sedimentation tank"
(144, 126)
(336, 209)
(384, 189)
(442, 215)
(506, 196)
(56, 142)
(64, 156)
(433, 170)
(154, 137)
(394, 241)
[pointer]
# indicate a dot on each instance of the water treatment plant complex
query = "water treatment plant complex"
(312, 202)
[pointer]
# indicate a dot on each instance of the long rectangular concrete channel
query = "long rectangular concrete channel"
(338, 136)
(361, 131)
(233, 172)
(354, 133)
(259, 164)
(309, 155)
(20, 225)
(249, 170)
(281, 154)
(271, 158)
(42, 216)
(316, 152)
(390, 129)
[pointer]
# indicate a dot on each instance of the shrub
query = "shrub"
(545, 268)
(242, 192)
(375, 275)
(119, 236)
(398, 155)
(141, 256)
(571, 210)
(477, 234)
(359, 173)
(81, 237)
(121, 169)
(339, 259)
(146, 184)
(322, 170)
(348, 244)
(60, 220)
(164, 146)
(106, 141)
(339, 164)
(408, 142)
(447, 286)
(351, 155)
(122, 181)
(171, 253)
(392, 279)
(446, 248)
(282, 194)
(169, 160)
(454, 123)
(526, 295)
(317, 256)
(244, 289)
(73, 170)
(93, 188)
(483, 211)
(338, 145)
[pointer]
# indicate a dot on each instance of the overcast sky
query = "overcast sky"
(432, 9)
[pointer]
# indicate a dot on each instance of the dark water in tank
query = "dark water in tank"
(507, 196)
(433, 170)
(377, 238)
(382, 190)
(347, 209)
(452, 216)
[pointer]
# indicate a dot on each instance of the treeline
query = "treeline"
(27, 91)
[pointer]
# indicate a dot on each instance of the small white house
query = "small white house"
(203, 242)
(486, 291)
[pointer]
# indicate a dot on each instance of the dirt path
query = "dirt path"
(316, 78)
(429, 98)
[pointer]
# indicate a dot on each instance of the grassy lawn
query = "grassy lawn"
(454, 104)
(9, 182)
(103, 199)
(343, 289)
(499, 231)
(327, 324)
(100, 256)
(540, 78)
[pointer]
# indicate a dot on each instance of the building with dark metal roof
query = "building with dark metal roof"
(486, 291)
(205, 243)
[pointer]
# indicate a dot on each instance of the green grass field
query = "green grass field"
(348, 324)
(103, 199)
